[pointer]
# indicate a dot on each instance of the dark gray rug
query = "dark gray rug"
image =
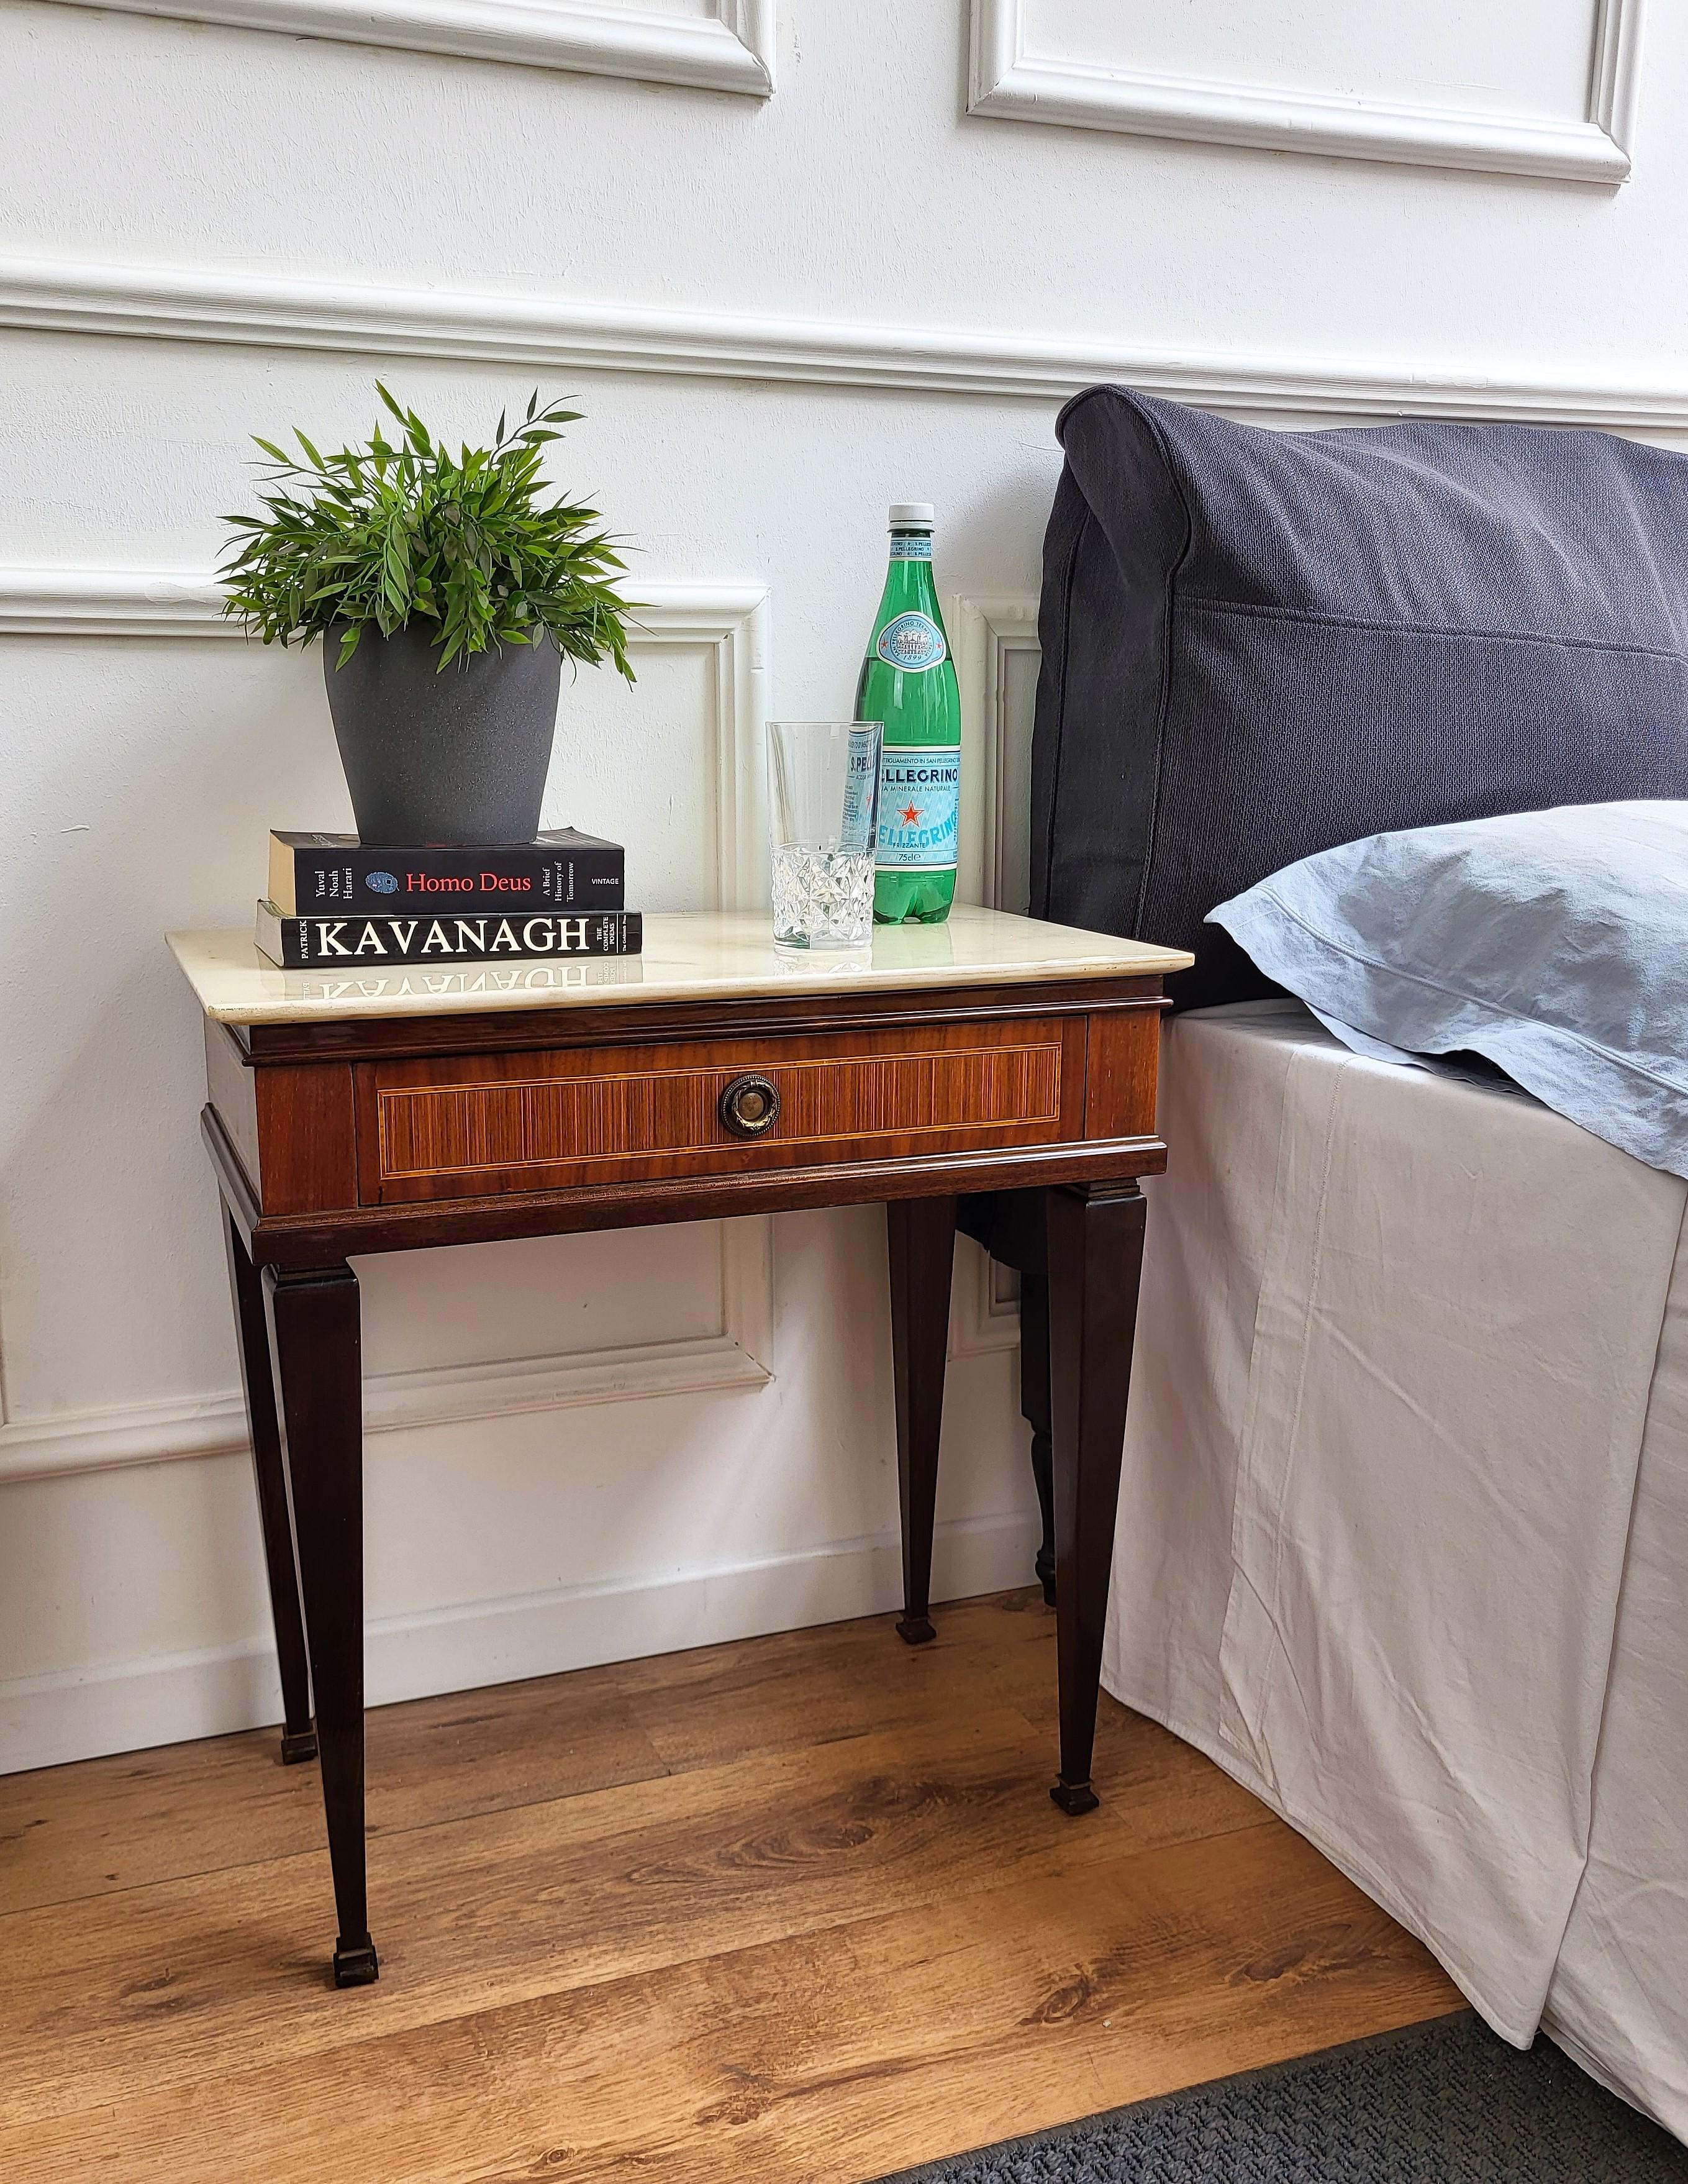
(1440, 2103)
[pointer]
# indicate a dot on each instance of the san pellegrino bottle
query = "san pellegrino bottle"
(908, 683)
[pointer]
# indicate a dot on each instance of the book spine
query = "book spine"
(539, 879)
(299, 943)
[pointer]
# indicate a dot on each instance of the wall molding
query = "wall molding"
(79, 1713)
(988, 631)
(729, 620)
(187, 1427)
(985, 1314)
(1012, 83)
(732, 620)
(733, 623)
(731, 48)
(67, 601)
(271, 311)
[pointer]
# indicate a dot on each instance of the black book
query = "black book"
(493, 936)
(561, 869)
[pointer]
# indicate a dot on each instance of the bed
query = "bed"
(1404, 1520)
(1404, 1513)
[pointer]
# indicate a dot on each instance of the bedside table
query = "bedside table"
(711, 1077)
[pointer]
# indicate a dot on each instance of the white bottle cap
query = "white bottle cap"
(906, 513)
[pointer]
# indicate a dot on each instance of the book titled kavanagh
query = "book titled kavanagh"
(513, 936)
(561, 869)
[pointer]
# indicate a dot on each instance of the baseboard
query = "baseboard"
(79, 1714)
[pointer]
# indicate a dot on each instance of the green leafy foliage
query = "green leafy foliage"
(404, 534)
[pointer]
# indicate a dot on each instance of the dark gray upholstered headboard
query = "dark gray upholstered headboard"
(1258, 644)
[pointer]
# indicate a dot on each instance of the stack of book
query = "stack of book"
(334, 901)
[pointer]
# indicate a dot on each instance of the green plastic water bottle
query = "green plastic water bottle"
(908, 682)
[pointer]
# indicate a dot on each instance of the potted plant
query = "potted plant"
(447, 591)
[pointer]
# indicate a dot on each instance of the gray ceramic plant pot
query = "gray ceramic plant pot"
(458, 757)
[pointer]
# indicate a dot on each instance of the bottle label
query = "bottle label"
(912, 642)
(855, 833)
(920, 799)
(907, 548)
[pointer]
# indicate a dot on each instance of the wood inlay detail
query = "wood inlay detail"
(451, 1129)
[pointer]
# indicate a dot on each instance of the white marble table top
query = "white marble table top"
(707, 954)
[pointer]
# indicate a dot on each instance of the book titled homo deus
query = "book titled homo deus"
(561, 869)
(514, 936)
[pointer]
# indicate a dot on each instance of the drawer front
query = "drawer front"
(475, 1125)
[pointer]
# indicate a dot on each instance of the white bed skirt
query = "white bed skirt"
(1403, 1525)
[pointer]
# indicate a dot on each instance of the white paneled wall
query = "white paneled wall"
(789, 275)
(1517, 86)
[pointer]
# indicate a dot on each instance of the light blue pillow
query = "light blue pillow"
(1553, 943)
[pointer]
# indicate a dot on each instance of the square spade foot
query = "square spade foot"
(357, 1966)
(915, 1630)
(298, 1746)
(1075, 1797)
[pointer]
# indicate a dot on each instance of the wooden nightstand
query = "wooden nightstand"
(711, 1077)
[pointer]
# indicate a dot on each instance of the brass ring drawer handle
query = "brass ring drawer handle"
(749, 1106)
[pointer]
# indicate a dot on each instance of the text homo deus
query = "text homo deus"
(468, 883)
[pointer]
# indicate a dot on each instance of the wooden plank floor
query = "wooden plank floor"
(797, 1909)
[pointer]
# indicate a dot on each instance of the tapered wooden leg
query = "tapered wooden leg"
(1096, 1260)
(315, 1331)
(1035, 1410)
(298, 1737)
(921, 1236)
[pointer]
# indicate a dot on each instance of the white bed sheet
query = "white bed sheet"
(1408, 1445)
